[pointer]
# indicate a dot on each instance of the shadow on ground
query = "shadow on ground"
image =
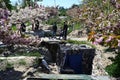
(10, 74)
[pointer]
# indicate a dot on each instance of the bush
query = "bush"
(9, 65)
(114, 68)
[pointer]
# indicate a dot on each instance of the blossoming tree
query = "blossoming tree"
(9, 36)
(103, 19)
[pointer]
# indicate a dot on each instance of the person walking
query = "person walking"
(36, 24)
(33, 25)
(65, 27)
(54, 28)
(22, 28)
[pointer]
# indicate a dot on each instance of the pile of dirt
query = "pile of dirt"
(78, 33)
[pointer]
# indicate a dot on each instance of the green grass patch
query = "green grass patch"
(1, 60)
(70, 30)
(113, 70)
(77, 26)
(81, 42)
(14, 28)
(9, 65)
(37, 54)
(33, 54)
(27, 23)
(110, 50)
(22, 62)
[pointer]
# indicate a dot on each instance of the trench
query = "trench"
(70, 58)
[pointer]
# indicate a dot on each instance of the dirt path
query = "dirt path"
(78, 39)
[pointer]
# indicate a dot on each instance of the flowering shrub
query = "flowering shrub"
(11, 37)
(102, 18)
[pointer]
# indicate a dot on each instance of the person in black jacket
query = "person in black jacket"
(36, 24)
(23, 27)
(65, 27)
(54, 28)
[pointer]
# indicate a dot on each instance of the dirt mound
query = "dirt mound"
(78, 33)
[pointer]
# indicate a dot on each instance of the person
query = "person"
(32, 23)
(65, 27)
(36, 24)
(87, 30)
(73, 26)
(22, 27)
(60, 33)
(54, 28)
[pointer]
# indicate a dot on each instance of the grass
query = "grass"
(27, 23)
(77, 26)
(109, 49)
(81, 42)
(1, 60)
(70, 30)
(22, 62)
(37, 54)
(9, 65)
(2, 64)
(113, 70)
(32, 54)
(14, 28)
(5, 64)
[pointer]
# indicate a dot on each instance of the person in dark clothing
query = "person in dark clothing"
(60, 33)
(54, 29)
(23, 27)
(88, 30)
(32, 23)
(36, 24)
(65, 27)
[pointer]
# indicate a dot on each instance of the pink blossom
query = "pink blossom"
(118, 6)
(109, 39)
(95, 43)
(2, 21)
(109, 27)
(13, 36)
(5, 28)
(99, 40)
(30, 7)
(119, 43)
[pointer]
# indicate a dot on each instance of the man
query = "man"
(65, 27)
(54, 29)
(22, 28)
(36, 24)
